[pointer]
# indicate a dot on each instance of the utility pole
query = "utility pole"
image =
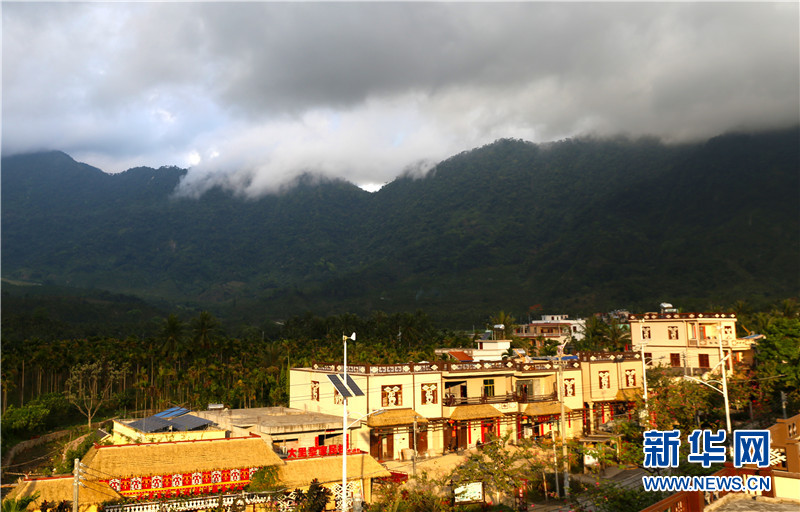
(724, 383)
(555, 459)
(76, 484)
(644, 384)
(414, 457)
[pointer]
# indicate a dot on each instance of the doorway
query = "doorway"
(381, 444)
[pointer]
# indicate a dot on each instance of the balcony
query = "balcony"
(524, 398)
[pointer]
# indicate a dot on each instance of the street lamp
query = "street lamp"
(723, 391)
(344, 455)
(348, 387)
(563, 423)
(723, 383)
(373, 413)
(644, 379)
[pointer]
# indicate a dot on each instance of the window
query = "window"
(645, 332)
(673, 332)
(604, 379)
(488, 387)
(315, 391)
(391, 396)
(569, 387)
(648, 357)
(728, 331)
(703, 361)
(675, 360)
(430, 394)
(630, 378)
(337, 398)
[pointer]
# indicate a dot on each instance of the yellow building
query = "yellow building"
(612, 383)
(689, 341)
(444, 406)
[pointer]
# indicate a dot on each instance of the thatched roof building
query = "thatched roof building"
(300, 472)
(57, 489)
(180, 457)
(189, 469)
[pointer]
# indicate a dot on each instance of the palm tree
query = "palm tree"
(616, 336)
(172, 332)
(203, 330)
(507, 321)
(593, 331)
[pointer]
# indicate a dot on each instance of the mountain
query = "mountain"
(579, 225)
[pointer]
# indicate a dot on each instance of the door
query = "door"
(450, 437)
(463, 435)
(381, 445)
(488, 427)
(455, 436)
(422, 440)
(524, 388)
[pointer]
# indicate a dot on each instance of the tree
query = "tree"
(497, 466)
(264, 480)
(678, 403)
(593, 333)
(616, 335)
(778, 361)
(316, 498)
(506, 320)
(172, 332)
(19, 504)
(89, 385)
(204, 329)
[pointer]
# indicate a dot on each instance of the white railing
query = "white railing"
(230, 502)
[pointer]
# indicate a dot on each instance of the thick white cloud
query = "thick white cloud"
(252, 94)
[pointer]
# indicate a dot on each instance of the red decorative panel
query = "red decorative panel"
(182, 484)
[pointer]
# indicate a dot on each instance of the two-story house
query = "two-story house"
(551, 327)
(444, 406)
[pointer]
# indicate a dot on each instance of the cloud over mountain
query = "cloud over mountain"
(252, 94)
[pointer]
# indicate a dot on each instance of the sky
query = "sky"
(250, 95)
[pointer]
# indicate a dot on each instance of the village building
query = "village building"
(175, 424)
(290, 432)
(430, 408)
(612, 384)
(488, 348)
(559, 328)
(785, 457)
(199, 472)
(690, 343)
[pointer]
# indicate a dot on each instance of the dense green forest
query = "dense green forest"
(578, 226)
(194, 360)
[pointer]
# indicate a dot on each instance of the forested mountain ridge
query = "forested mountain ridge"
(579, 225)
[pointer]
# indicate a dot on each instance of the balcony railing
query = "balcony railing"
(447, 367)
(523, 398)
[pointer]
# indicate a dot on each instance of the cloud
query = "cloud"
(252, 94)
